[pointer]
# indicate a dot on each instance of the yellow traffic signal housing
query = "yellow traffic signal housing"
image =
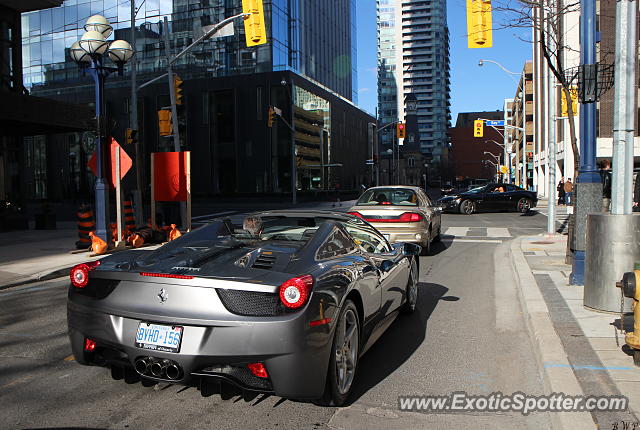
(271, 116)
(479, 31)
(177, 82)
(131, 136)
(573, 91)
(401, 130)
(164, 122)
(478, 128)
(254, 27)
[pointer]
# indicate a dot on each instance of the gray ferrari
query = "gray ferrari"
(287, 307)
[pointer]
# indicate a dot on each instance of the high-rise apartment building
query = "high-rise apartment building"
(413, 58)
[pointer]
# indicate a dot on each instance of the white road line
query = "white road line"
(457, 231)
(455, 239)
(498, 232)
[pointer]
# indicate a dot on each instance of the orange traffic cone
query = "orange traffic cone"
(174, 233)
(98, 246)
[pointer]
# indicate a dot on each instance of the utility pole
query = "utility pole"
(588, 187)
(172, 93)
(624, 101)
(551, 153)
(133, 123)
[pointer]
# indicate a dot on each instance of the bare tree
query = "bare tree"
(545, 19)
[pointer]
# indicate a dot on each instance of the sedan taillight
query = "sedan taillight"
(358, 214)
(405, 217)
(295, 292)
(80, 273)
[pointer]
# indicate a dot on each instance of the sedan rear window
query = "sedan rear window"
(388, 196)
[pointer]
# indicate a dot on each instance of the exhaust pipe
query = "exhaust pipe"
(158, 368)
(143, 364)
(173, 371)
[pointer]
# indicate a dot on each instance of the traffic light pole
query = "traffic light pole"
(172, 92)
(133, 123)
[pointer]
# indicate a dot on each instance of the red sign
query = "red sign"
(125, 163)
(170, 176)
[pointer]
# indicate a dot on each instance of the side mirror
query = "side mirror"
(411, 249)
(386, 265)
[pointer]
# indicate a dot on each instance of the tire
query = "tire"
(523, 205)
(438, 237)
(426, 246)
(409, 306)
(339, 376)
(467, 207)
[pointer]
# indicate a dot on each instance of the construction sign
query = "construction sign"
(125, 163)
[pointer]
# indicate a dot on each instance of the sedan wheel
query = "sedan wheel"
(412, 290)
(345, 352)
(467, 207)
(523, 205)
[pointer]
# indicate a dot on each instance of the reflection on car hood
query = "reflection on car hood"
(448, 198)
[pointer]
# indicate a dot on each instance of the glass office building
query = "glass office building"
(413, 58)
(307, 69)
(315, 39)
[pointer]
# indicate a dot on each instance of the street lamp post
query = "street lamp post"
(89, 53)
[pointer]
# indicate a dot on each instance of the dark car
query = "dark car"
(286, 310)
(490, 197)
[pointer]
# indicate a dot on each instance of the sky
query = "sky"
(473, 88)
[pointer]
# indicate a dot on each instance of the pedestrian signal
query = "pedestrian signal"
(479, 32)
(478, 128)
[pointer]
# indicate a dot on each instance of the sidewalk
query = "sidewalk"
(578, 350)
(36, 255)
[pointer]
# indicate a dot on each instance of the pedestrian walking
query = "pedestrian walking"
(560, 189)
(568, 191)
(605, 176)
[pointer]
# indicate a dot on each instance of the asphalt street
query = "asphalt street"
(467, 334)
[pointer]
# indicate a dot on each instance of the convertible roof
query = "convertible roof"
(340, 216)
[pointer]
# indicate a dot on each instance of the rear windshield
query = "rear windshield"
(389, 196)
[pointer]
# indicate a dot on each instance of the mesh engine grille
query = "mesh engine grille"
(251, 303)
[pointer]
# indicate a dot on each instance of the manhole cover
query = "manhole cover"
(543, 242)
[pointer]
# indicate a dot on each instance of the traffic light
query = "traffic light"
(177, 82)
(401, 130)
(478, 128)
(164, 122)
(573, 92)
(479, 32)
(271, 116)
(131, 136)
(254, 28)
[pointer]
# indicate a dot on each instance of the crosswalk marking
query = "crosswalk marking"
(457, 231)
(498, 232)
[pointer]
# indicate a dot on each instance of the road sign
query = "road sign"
(125, 163)
(495, 123)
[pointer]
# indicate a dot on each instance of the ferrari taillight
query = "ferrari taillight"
(295, 292)
(80, 273)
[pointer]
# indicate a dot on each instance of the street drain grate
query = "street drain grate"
(543, 242)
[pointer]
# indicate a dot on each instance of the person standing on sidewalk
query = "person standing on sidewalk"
(605, 176)
(636, 193)
(568, 191)
(560, 189)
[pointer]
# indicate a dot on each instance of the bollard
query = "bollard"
(86, 224)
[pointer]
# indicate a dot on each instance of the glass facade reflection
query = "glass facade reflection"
(315, 39)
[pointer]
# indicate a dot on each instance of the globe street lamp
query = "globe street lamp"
(89, 53)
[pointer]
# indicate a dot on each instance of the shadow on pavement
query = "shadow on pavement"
(399, 342)
(438, 247)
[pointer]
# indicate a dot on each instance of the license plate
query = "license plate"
(158, 337)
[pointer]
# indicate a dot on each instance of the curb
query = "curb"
(546, 343)
(47, 276)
